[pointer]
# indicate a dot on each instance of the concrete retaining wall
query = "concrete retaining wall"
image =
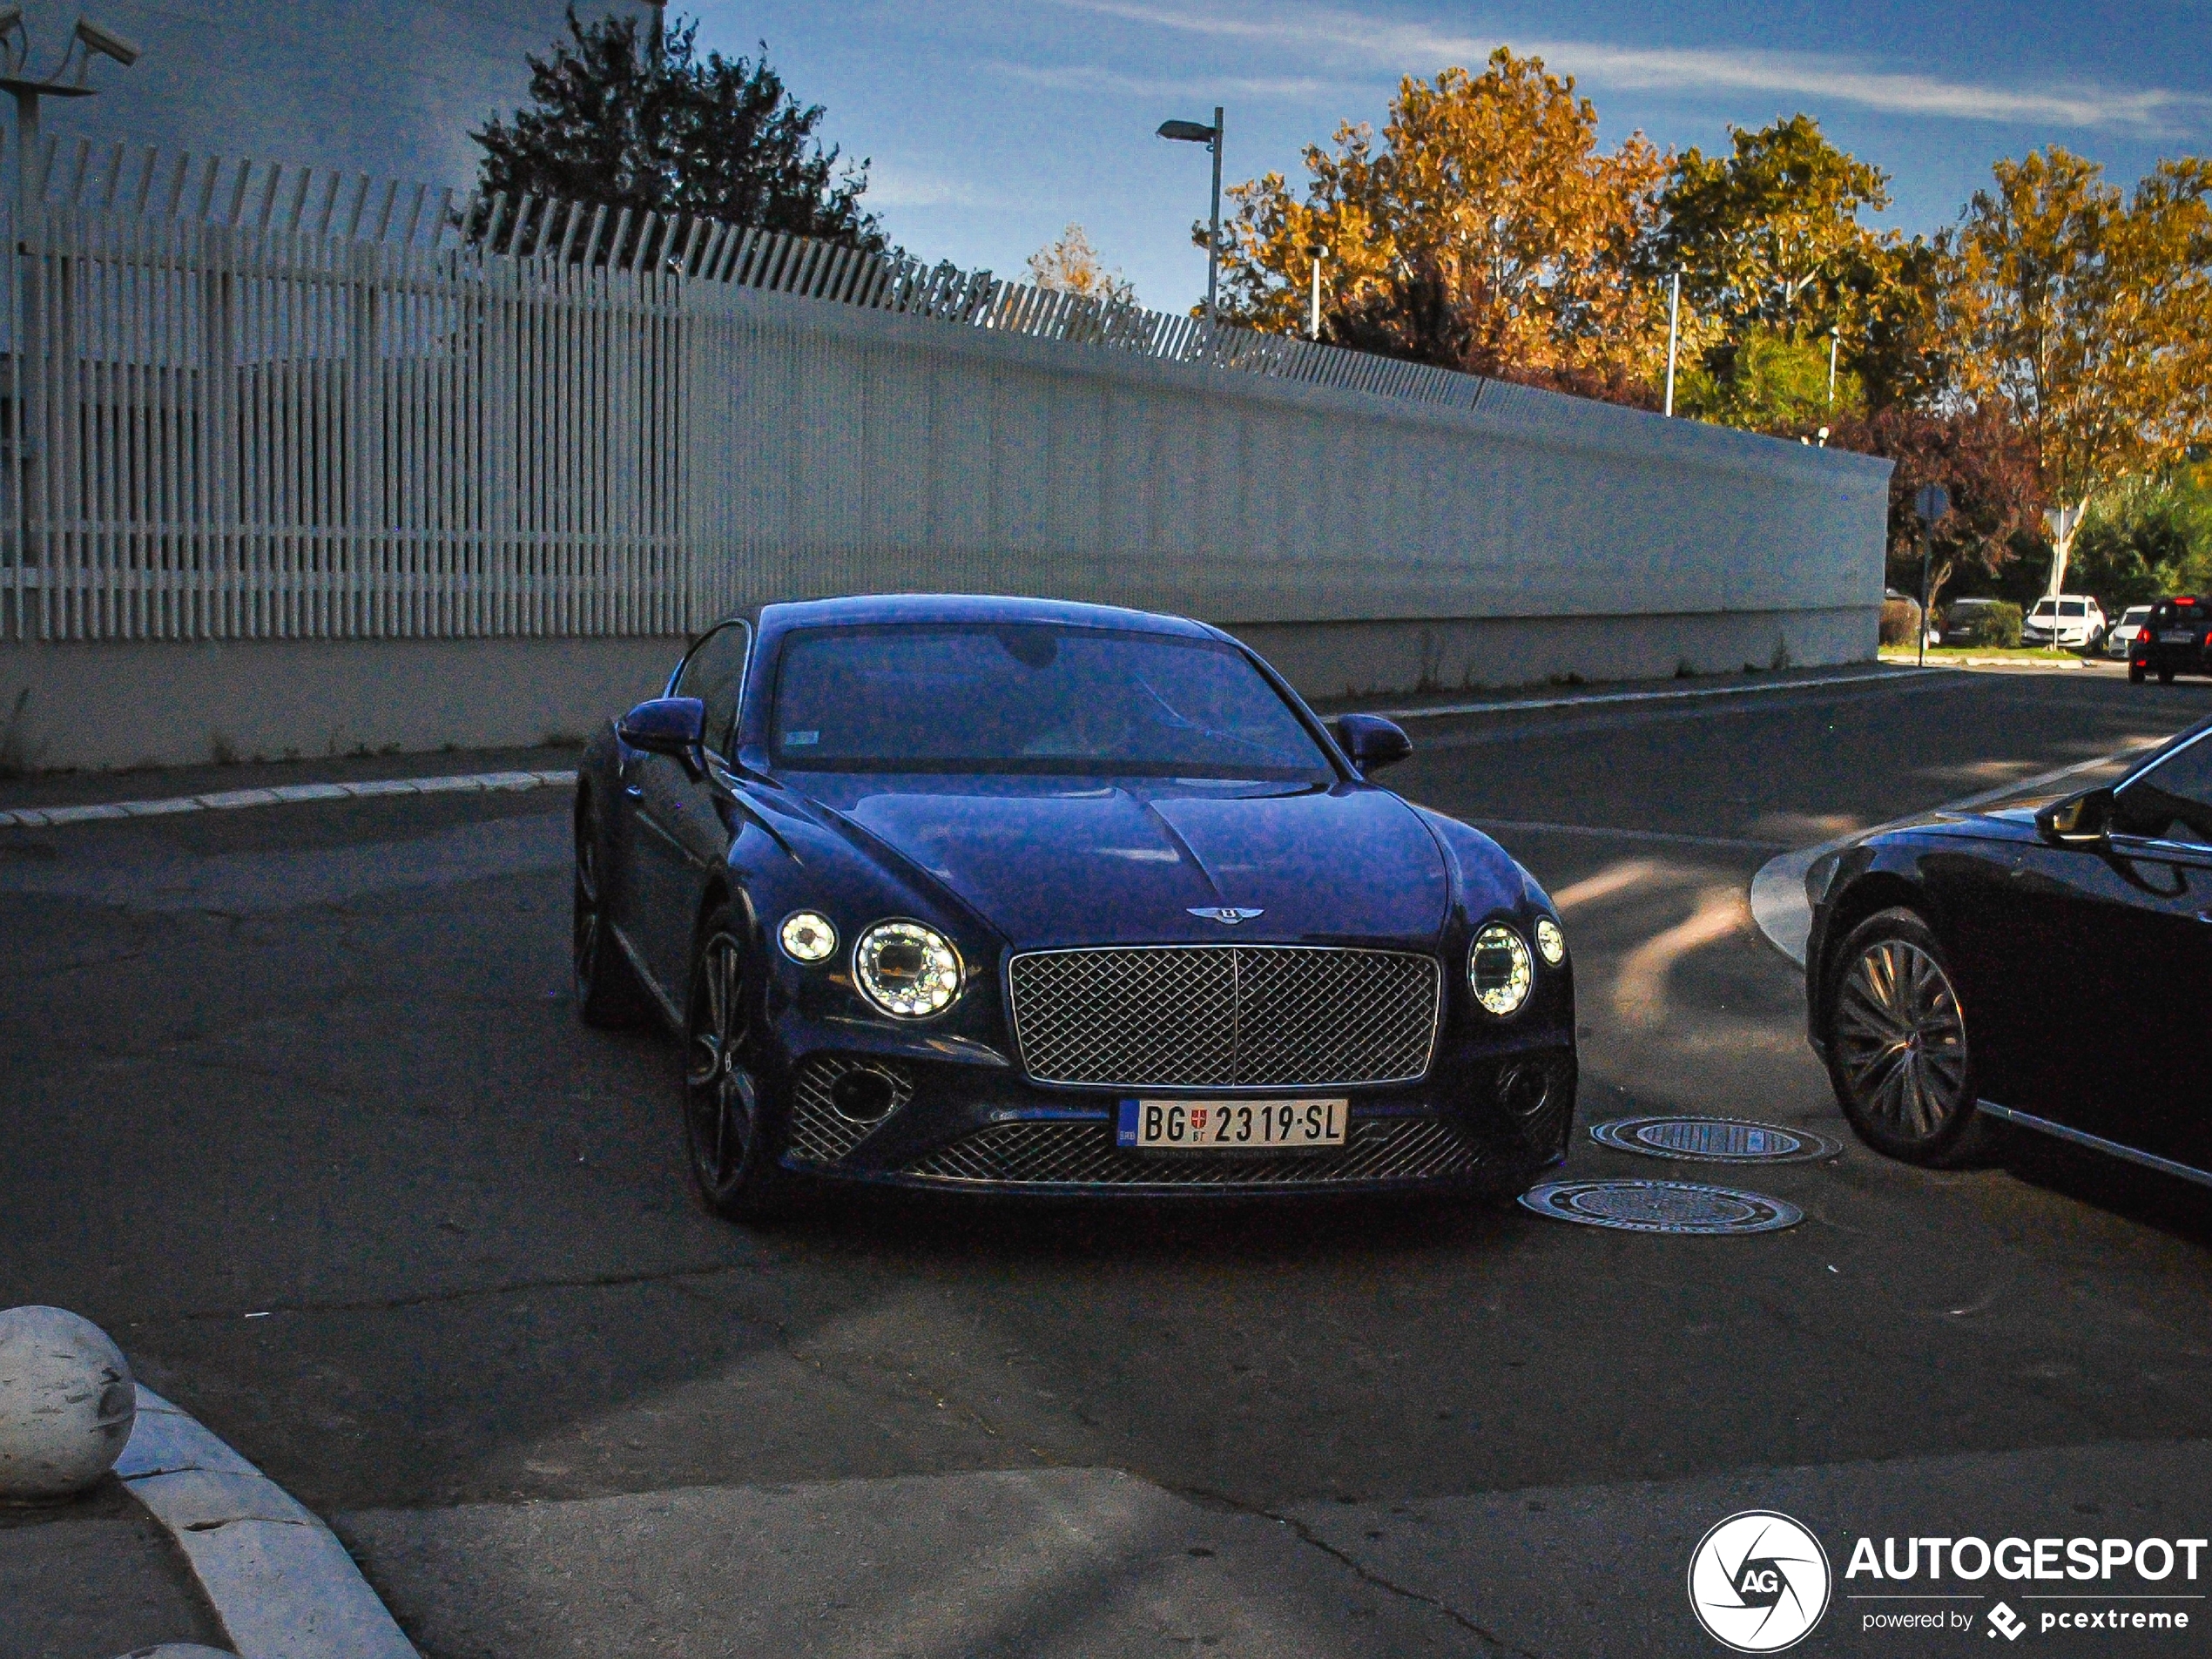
(136, 703)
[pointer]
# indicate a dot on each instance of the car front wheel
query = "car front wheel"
(1898, 1054)
(732, 1163)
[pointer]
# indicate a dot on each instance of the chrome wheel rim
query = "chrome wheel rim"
(1901, 1041)
(718, 1088)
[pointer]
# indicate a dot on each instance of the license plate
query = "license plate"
(1231, 1125)
(2181, 638)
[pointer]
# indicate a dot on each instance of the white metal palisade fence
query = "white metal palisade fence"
(244, 400)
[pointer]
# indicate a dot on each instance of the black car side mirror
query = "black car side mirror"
(675, 726)
(2079, 821)
(1372, 741)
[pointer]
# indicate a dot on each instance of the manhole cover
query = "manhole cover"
(1661, 1207)
(1714, 1140)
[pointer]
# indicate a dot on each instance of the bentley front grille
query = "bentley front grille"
(822, 1129)
(1259, 1016)
(1083, 1153)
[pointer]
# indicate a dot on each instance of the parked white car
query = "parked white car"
(2124, 632)
(2081, 623)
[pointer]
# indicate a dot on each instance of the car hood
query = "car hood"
(1061, 861)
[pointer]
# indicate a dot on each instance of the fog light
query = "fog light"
(807, 936)
(1525, 1090)
(863, 1096)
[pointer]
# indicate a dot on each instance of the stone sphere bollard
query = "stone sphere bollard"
(67, 1404)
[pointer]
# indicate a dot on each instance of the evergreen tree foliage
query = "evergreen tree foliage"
(672, 131)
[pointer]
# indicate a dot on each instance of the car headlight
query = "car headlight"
(807, 936)
(1500, 970)
(907, 970)
(1551, 942)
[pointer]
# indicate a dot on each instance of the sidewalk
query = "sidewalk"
(94, 1579)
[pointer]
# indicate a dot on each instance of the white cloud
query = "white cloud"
(893, 187)
(1086, 78)
(1389, 44)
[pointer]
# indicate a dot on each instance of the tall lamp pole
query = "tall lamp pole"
(1319, 252)
(1835, 335)
(87, 41)
(1674, 332)
(1195, 133)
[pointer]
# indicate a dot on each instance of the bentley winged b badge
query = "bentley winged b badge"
(1229, 916)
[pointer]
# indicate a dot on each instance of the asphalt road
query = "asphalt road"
(296, 1105)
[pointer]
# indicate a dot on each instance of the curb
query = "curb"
(231, 800)
(1778, 903)
(280, 1584)
(1508, 705)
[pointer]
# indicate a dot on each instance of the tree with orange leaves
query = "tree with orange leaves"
(1487, 231)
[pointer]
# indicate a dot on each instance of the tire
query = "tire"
(728, 1144)
(2137, 676)
(607, 992)
(1898, 1054)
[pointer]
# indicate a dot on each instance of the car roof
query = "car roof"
(863, 609)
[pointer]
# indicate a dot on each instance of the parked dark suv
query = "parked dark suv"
(2176, 640)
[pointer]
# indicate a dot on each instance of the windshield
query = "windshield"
(1032, 697)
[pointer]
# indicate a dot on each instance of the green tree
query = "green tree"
(2146, 539)
(1774, 253)
(1769, 382)
(654, 127)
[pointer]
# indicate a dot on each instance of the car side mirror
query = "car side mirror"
(675, 726)
(1372, 741)
(2079, 821)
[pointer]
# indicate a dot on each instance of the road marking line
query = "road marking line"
(1509, 705)
(1729, 842)
(231, 800)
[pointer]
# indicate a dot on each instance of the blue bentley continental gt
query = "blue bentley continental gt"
(1007, 896)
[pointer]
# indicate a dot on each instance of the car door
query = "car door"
(680, 835)
(2156, 1093)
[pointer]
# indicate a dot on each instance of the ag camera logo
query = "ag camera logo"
(1759, 1581)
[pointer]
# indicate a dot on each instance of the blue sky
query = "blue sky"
(991, 126)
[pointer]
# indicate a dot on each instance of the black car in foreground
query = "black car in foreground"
(2177, 639)
(1000, 896)
(2048, 966)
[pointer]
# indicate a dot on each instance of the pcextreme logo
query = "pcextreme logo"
(1758, 1582)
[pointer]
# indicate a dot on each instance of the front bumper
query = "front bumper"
(1481, 1120)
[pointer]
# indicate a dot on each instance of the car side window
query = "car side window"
(2172, 801)
(713, 674)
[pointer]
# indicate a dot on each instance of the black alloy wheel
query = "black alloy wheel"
(606, 987)
(732, 1164)
(1898, 1054)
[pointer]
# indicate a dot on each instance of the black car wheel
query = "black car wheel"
(606, 988)
(1897, 1043)
(733, 1166)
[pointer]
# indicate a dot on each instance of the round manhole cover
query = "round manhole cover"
(1661, 1207)
(1714, 1140)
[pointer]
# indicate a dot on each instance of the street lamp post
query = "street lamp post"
(1834, 336)
(1319, 253)
(87, 41)
(1674, 330)
(1193, 132)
